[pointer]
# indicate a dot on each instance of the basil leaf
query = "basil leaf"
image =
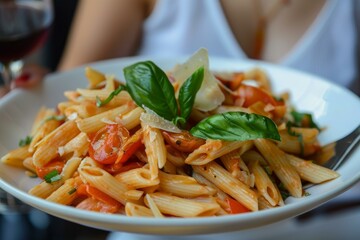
(148, 85)
(236, 126)
(300, 118)
(100, 103)
(291, 132)
(188, 92)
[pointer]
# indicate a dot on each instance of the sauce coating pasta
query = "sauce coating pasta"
(101, 150)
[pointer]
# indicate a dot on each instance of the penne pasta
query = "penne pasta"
(264, 184)
(16, 157)
(137, 178)
(311, 172)
(153, 207)
(183, 186)
(63, 195)
(45, 189)
(94, 77)
(96, 151)
(103, 181)
(94, 123)
(182, 207)
(211, 150)
(136, 210)
(155, 149)
(48, 148)
(230, 185)
(282, 168)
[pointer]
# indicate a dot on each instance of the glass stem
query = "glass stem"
(7, 75)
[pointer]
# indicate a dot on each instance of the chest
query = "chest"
(285, 24)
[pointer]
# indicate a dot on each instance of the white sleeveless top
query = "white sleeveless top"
(327, 49)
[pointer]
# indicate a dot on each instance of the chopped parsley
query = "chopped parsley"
(73, 190)
(52, 176)
(303, 120)
(26, 141)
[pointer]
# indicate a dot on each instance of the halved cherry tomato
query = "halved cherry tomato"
(236, 207)
(106, 143)
(131, 145)
(120, 167)
(253, 94)
(184, 141)
(232, 81)
(92, 204)
(86, 189)
(97, 200)
(51, 166)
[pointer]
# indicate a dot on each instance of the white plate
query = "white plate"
(334, 107)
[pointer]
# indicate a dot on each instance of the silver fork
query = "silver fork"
(343, 149)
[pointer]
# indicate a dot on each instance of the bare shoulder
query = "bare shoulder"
(115, 5)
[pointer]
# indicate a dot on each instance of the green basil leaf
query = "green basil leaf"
(236, 126)
(188, 92)
(100, 103)
(299, 118)
(291, 132)
(148, 85)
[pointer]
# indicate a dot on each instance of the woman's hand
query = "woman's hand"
(30, 76)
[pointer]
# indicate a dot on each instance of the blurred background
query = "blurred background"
(336, 219)
(22, 222)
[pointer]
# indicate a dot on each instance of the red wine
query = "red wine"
(23, 29)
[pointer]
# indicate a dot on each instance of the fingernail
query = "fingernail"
(24, 77)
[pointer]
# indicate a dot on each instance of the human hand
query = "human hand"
(30, 76)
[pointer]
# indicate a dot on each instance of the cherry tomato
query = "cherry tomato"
(236, 207)
(184, 141)
(253, 94)
(131, 145)
(97, 200)
(117, 168)
(106, 143)
(96, 205)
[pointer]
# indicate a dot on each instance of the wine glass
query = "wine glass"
(24, 26)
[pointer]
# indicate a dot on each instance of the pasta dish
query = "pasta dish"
(185, 143)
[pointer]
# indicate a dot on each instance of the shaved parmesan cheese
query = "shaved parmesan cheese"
(152, 136)
(152, 119)
(73, 116)
(61, 151)
(210, 95)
